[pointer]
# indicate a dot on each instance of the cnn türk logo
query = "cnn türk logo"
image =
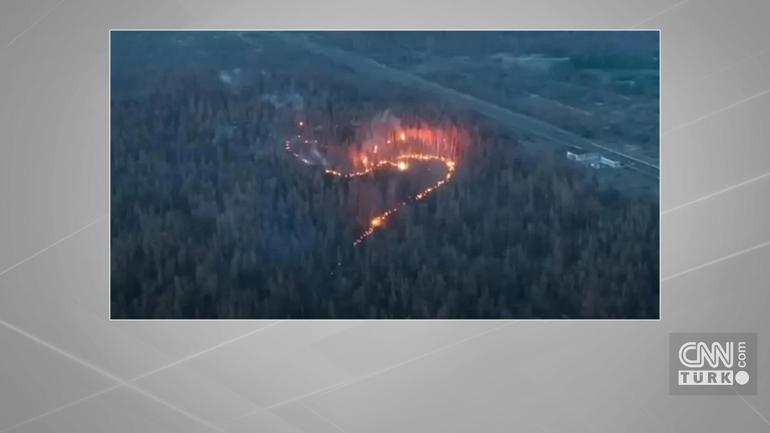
(713, 363)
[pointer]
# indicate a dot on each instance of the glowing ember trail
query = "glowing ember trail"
(397, 149)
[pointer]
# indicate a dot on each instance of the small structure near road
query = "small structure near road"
(593, 160)
(534, 62)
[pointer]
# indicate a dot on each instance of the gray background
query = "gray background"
(65, 368)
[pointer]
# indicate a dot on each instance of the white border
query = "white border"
(109, 166)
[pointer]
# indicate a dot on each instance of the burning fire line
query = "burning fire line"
(401, 163)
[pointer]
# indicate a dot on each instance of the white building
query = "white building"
(593, 160)
(610, 162)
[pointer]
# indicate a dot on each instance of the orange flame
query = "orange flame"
(420, 143)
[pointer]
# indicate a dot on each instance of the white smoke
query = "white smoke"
(378, 130)
(291, 101)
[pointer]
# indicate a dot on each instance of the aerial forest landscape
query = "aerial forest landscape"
(384, 175)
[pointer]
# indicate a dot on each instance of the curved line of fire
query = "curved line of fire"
(400, 162)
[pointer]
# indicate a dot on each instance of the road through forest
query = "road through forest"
(515, 121)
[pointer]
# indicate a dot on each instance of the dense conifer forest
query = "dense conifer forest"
(211, 217)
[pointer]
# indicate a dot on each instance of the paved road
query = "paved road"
(516, 121)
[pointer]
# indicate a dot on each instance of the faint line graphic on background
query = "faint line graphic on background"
(29, 27)
(365, 377)
(121, 382)
(12, 267)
